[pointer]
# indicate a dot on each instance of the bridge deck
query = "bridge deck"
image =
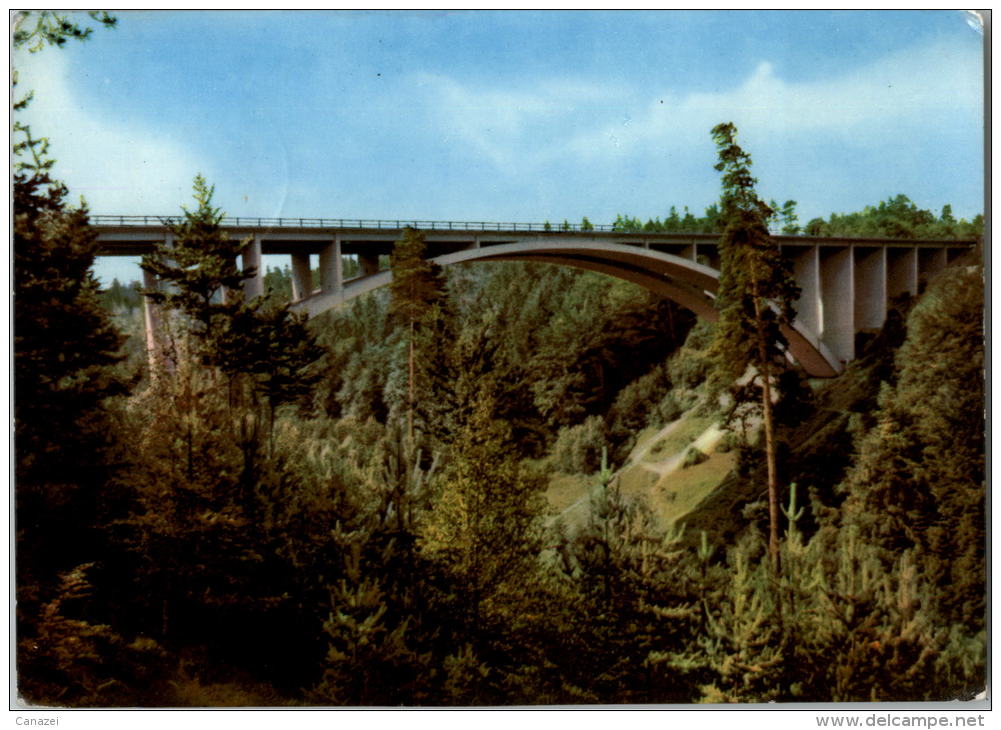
(847, 284)
(135, 235)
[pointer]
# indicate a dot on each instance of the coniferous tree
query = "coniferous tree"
(65, 352)
(417, 301)
(482, 529)
(202, 280)
(754, 300)
(920, 475)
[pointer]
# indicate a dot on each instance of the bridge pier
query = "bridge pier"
(930, 262)
(837, 295)
(901, 272)
(254, 286)
(151, 313)
(331, 268)
(302, 277)
(368, 263)
(151, 317)
(806, 272)
(870, 287)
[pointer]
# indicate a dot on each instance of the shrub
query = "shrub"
(577, 449)
(692, 457)
(729, 442)
(669, 408)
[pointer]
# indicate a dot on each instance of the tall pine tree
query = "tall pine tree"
(417, 301)
(754, 300)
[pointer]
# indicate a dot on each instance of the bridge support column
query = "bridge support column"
(368, 263)
(806, 272)
(837, 287)
(302, 277)
(707, 254)
(901, 272)
(332, 268)
(168, 242)
(254, 286)
(930, 262)
(870, 287)
(952, 253)
(151, 317)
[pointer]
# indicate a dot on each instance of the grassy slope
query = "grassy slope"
(818, 450)
(655, 471)
(710, 496)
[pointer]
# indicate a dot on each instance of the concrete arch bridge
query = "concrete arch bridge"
(846, 284)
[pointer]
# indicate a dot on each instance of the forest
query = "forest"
(439, 495)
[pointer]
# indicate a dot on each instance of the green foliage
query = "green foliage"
(633, 597)
(483, 523)
(709, 222)
(65, 345)
(69, 661)
(756, 289)
(897, 217)
(418, 301)
(66, 353)
(201, 278)
(754, 302)
(246, 552)
(919, 481)
(729, 442)
(261, 339)
(417, 285)
(278, 349)
(121, 297)
(790, 225)
(838, 624)
(577, 449)
(54, 28)
(364, 648)
(648, 399)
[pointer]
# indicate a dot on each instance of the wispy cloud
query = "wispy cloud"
(909, 89)
(117, 166)
(548, 121)
(512, 126)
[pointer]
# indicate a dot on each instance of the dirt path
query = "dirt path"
(638, 456)
(705, 443)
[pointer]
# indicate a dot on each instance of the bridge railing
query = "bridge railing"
(364, 223)
(469, 226)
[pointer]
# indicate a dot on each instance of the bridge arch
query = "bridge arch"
(688, 283)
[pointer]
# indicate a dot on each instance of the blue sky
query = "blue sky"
(512, 115)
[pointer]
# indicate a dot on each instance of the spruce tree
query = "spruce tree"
(754, 300)
(65, 354)
(199, 269)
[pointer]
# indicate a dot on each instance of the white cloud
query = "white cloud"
(503, 125)
(900, 93)
(911, 90)
(117, 166)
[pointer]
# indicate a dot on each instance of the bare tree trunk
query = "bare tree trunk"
(766, 415)
(410, 390)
